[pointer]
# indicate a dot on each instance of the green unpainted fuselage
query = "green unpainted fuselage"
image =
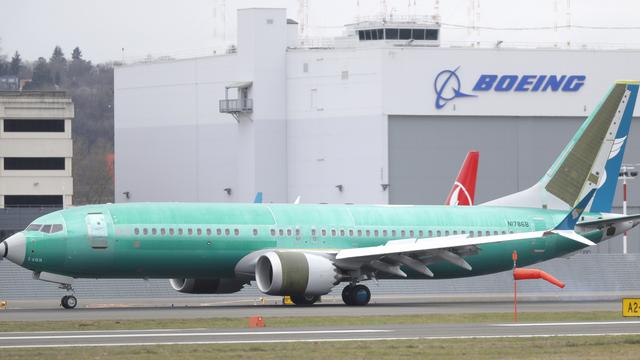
(188, 240)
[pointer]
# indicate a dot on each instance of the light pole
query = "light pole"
(626, 173)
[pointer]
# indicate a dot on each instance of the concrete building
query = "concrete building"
(376, 116)
(35, 149)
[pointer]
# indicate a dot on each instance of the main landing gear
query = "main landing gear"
(302, 300)
(356, 295)
(68, 302)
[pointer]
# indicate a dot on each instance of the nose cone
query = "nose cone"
(15, 248)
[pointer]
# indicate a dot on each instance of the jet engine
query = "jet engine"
(207, 286)
(295, 273)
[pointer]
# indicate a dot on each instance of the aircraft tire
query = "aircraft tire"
(69, 302)
(360, 295)
(346, 294)
(302, 300)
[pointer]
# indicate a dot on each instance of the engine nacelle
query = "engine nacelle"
(207, 286)
(295, 273)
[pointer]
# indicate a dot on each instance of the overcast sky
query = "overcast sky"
(102, 28)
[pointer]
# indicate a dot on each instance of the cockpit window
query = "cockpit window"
(33, 227)
(47, 229)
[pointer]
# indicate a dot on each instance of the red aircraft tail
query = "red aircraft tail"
(463, 190)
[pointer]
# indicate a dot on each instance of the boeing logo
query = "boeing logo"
(447, 84)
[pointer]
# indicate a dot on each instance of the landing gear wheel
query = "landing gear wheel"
(69, 302)
(359, 295)
(304, 299)
(346, 294)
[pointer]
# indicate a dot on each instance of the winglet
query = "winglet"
(570, 221)
(258, 199)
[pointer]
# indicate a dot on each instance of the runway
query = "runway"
(393, 332)
(114, 309)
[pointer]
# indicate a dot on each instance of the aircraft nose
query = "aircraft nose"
(14, 248)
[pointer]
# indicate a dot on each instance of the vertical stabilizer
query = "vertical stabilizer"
(581, 165)
(463, 191)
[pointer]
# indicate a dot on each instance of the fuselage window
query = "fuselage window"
(351, 232)
(136, 231)
(333, 232)
(342, 232)
(368, 232)
(411, 233)
(403, 233)
(375, 233)
(430, 233)
(255, 232)
(503, 232)
(394, 233)
(488, 233)
(171, 231)
(208, 232)
(479, 233)
(421, 233)
(463, 232)
(145, 231)
(163, 231)
(236, 232)
(495, 232)
(190, 231)
(359, 232)
(289, 232)
(199, 231)
(180, 232)
(297, 231)
(470, 234)
(313, 232)
(438, 233)
(227, 232)
(154, 231)
(219, 232)
(273, 232)
(324, 232)
(281, 232)
(455, 232)
(446, 233)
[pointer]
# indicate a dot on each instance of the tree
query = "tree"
(41, 75)
(76, 55)
(58, 66)
(16, 64)
(58, 56)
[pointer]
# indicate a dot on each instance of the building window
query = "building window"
(305, 67)
(48, 125)
(431, 34)
(34, 163)
(344, 75)
(418, 34)
(391, 34)
(405, 34)
(32, 200)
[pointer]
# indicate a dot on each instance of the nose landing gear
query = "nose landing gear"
(356, 295)
(69, 302)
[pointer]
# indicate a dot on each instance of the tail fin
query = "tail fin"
(581, 165)
(258, 198)
(463, 190)
(607, 185)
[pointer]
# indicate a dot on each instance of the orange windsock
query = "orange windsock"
(527, 274)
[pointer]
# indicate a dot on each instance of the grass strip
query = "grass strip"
(304, 321)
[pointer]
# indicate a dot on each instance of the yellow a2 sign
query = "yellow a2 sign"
(630, 307)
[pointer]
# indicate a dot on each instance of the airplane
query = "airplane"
(463, 191)
(305, 250)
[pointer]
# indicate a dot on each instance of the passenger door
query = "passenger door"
(97, 230)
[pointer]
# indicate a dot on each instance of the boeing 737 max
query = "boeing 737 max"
(305, 250)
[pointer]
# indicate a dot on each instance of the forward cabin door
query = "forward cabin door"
(97, 231)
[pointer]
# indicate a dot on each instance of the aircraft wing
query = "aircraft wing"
(418, 253)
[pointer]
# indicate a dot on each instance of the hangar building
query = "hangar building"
(383, 114)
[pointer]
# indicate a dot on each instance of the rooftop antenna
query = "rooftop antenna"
(303, 16)
(383, 9)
